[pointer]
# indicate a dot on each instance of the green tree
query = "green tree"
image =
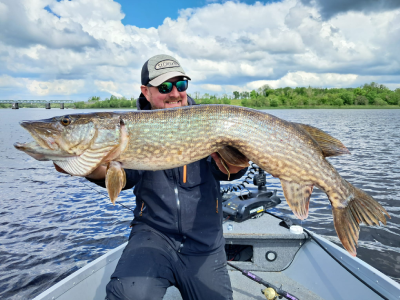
(379, 101)
(359, 92)
(114, 103)
(236, 94)
(79, 104)
(105, 104)
(265, 90)
(244, 95)
(361, 100)
(300, 90)
(347, 97)
(294, 101)
(133, 100)
(253, 94)
(338, 102)
(309, 92)
(206, 101)
(226, 101)
(274, 102)
(394, 98)
(94, 98)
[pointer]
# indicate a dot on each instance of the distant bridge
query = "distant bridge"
(47, 102)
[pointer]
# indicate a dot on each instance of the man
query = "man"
(176, 236)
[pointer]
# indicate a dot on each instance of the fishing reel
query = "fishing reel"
(270, 293)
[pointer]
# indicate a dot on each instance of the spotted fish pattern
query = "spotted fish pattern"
(169, 138)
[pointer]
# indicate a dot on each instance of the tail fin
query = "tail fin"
(361, 209)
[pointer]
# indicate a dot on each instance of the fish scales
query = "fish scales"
(169, 138)
(181, 137)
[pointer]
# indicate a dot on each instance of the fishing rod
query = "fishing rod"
(271, 292)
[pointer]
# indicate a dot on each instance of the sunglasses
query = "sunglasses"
(166, 87)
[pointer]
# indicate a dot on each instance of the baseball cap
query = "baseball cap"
(160, 68)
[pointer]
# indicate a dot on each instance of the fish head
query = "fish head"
(78, 143)
(70, 134)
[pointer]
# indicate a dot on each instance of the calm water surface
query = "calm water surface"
(52, 224)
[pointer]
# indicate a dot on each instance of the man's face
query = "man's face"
(159, 101)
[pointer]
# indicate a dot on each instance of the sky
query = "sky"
(75, 49)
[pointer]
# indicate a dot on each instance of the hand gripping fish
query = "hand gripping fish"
(170, 138)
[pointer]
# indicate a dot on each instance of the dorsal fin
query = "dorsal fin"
(329, 145)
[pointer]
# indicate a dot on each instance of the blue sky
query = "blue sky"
(151, 13)
(61, 49)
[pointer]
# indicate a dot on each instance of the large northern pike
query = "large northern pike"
(169, 138)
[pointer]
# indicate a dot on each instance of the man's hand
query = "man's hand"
(97, 174)
(232, 169)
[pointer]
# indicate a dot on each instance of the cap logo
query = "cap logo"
(166, 64)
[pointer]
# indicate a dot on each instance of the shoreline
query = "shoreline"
(263, 107)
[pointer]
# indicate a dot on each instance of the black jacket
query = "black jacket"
(188, 214)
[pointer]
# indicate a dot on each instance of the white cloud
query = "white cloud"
(55, 87)
(8, 82)
(300, 78)
(81, 47)
(212, 87)
(108, 86)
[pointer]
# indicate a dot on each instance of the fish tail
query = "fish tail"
(361, 208)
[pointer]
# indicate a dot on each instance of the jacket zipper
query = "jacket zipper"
(178, 206)
(178, 202)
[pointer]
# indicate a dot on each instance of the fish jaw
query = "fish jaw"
(36, 151)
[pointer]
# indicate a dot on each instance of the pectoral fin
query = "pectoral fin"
(298, 197)
(233, 157)
(329, 145)
(115, 180)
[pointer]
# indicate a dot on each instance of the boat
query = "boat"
(266, 254)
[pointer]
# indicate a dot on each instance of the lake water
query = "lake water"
(52, 224)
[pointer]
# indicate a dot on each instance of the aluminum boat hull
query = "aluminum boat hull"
(309, 268)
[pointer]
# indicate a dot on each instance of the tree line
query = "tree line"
(371, 94)
(112, 102)
(368, 94)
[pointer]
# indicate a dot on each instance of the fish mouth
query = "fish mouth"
(42, 133)
(40, 153)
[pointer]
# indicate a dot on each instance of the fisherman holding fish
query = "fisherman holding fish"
(176, 236)
(166, 154)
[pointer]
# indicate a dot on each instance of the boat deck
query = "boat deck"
(244, 288)
(263, 234)
(300, 264)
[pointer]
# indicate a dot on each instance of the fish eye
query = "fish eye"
(66, 121)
